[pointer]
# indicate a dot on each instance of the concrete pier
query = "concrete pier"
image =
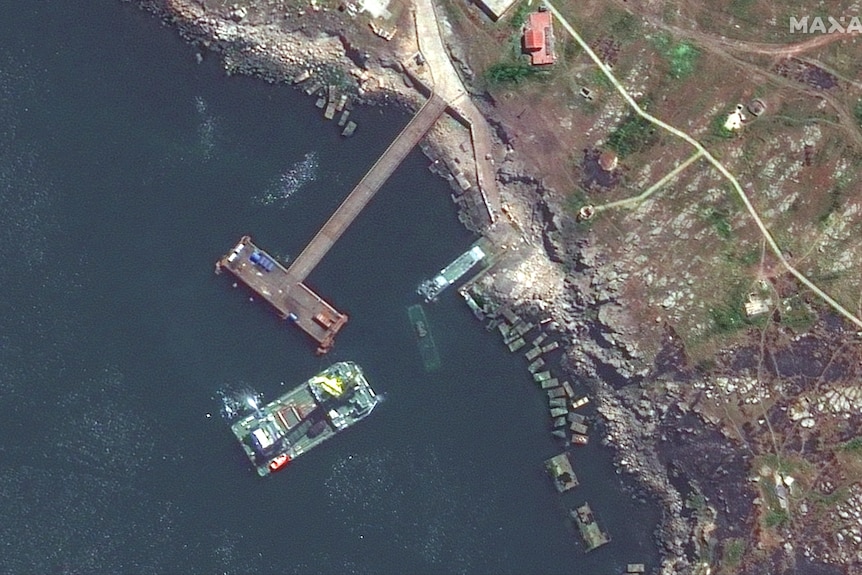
(283, 287)
(367, 187)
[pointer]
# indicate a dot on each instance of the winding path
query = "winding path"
(711, 159)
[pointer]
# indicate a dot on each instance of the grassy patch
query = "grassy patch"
(719, 218)
(732, 551)
(729, 316)
(632, 135)
(717, 129)
(570, 50)
(509, 73)
(775, 518)
(784, 465)
(696, 501)
(857, 112)
(795, 314)
(836, 199)
(599, 79)
(575, 200)
(624, 26)
(853, 446)
(747, 258)
(829, 500)
(519, 16)
(681, 56)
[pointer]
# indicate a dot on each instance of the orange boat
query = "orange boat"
(279, 462)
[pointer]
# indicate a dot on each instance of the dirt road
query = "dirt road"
(449, 86)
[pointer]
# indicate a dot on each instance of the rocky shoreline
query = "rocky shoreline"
(570, 285)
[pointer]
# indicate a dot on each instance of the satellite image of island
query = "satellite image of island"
(599, 260)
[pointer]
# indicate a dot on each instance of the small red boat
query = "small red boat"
(279, 462)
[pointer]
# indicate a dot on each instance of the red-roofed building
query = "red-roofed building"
(539, 38)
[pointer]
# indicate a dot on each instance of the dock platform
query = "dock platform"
(283, 287)
(293, 300)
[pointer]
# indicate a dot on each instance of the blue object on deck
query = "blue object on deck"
(292, 317)
(255, 257)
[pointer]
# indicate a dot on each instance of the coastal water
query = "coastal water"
(126, 170)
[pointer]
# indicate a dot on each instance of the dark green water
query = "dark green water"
(126, 170)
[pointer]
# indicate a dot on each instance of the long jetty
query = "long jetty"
(367, 187)
(284, 288)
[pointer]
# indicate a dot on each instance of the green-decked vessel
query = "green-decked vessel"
(427, 347)
(305, 417)
(590, 531)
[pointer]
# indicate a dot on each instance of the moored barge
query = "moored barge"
(306, 416)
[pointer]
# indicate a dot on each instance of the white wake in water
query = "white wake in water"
(207, 128)
(235, 400)
(291, 181)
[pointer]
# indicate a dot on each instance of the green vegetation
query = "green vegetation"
(624, 25)
(716, 127)
(775, 517)
(681, 56)
(719, 218)
(519, 16)
(705, 365)
(570, 49)
(795, 314)
(857, 112)
(696, 501)
(600, 79)
(784, 465)
(575, 200)
(732, 551)
(836, 193)
(335, 76)
(729, 315)
(829, 500)
(509, 73)
(728, 318)
(746, 258)
(634, 134)
(853, 446)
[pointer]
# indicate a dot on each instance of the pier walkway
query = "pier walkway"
(283, 287)
(367, 187)
(444, 80)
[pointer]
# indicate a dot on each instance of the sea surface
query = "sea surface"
(126, 170)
